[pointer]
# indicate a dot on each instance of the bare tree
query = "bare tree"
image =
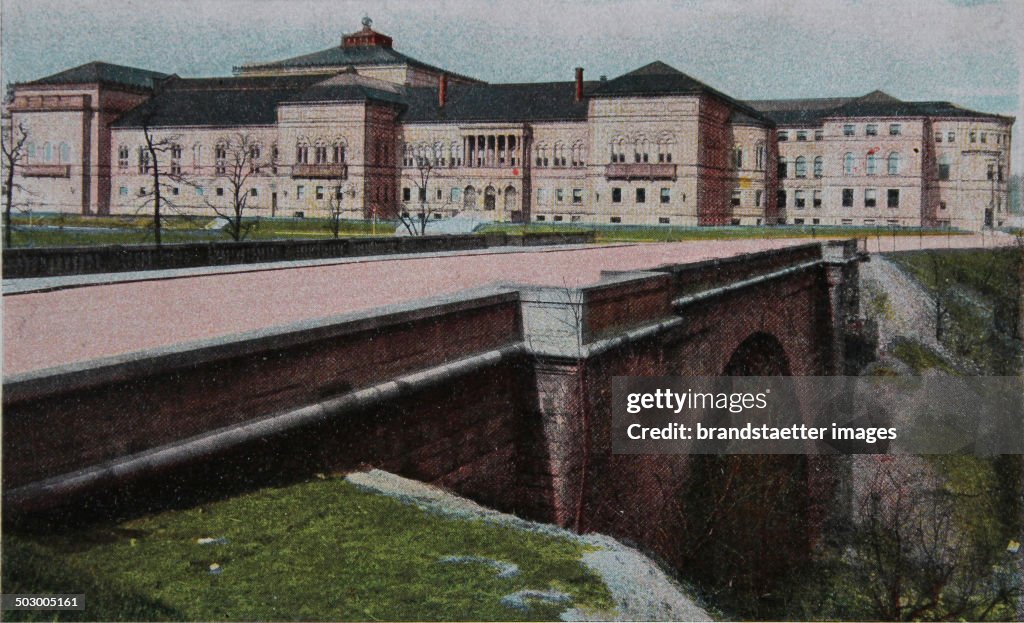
(336, 206)
(914, 557)
(941, 282)
(426, 160)
(149, 161)
(14, 155)
(237, 159)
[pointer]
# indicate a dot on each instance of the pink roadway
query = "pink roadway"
(46, 329)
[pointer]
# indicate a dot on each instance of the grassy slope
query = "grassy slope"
(321, 550)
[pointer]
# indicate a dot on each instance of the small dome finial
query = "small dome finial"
(367, 22)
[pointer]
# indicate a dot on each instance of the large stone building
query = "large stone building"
(364, 130)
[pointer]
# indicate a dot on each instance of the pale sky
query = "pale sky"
(964, 51)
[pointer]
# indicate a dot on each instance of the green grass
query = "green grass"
(920, 358)
(320, 550)
(629, 233)
(981, 289)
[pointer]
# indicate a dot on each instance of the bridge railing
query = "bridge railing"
(689, 278)
(62, 261)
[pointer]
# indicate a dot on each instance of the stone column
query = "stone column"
(841, 273)
(553, 329)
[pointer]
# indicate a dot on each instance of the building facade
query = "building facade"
(362, 131)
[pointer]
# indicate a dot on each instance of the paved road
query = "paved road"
(49, 328)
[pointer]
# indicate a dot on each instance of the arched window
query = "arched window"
(47, 152)
(489, 198)
(894, 163)
(64, 153)
(666, 146)
(320, 153)
(143, 160)
(122, 157)
(338, 151)
(542, 155)
(559, 155)
(456, 154)
(783, 168)
(469, 198)
(760, 152)
(439, 159)
(197, 156)
(641, 150)
(30, 151)
(302, 152)
(801, 166)
(848, 164)
(618, 150)
(220, 157)
(819, 166)
(871, 164)
(578, 155)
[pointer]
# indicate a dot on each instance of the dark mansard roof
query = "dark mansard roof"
(98, 72)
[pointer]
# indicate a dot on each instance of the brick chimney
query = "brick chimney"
(442, 90)
(579, 84)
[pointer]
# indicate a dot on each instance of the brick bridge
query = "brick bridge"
(501, 392)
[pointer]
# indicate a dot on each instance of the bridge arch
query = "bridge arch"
(760, 354)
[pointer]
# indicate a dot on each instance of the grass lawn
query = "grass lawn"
(320, 550)
(630, 233)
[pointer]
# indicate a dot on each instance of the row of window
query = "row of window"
(643, 150)
(800, 198)
(849, 129)
(893, 162)
(47, 153)
(974, 136)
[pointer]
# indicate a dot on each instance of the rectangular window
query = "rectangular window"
(641, 195)
(577, 195)
(984, 137)
(540, 217)
(870, 200)
(817, 199)
(666, 195)
(558, 218)
(799, 200)
(439, 194)
(783, 136)
(943, 170)
(200, 191)
(780, 197)
(847, 221)
(735, 198)
(406, 194)
(737, 158)
(252, 192)
(220, 192)
(300, 192)
(991, 172)
(757, 197)
(871, 130)
(973, 136)
(422, 193)
(938, 137)
(615, 219)
(894, 129)
(782, 168)
(457, 195)
(663, 220)
(942, 205)
(559, 195)
(798, 221)
(123, 190)
(819, 135)
(801, 135)
(894, 198)
(847, 197)
(319, 192)
(950, 137)
(616, 195)
(848, 129)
